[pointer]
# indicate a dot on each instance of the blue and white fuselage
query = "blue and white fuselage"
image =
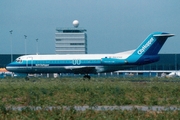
(146, 52)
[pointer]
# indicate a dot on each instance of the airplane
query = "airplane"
(174, 74)
(145, 53)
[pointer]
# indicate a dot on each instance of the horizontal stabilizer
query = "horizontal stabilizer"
(164, 35)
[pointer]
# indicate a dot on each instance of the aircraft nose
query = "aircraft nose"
(8, 68)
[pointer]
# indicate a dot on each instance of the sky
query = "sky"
(112, 25)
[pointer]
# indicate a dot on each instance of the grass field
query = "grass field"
(96, 92)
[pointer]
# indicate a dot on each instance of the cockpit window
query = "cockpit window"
(18, 60)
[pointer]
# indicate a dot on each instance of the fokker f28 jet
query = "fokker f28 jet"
(145, 53)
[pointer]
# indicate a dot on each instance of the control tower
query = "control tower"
(71, 40)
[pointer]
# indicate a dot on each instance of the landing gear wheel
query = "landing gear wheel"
(86, 77)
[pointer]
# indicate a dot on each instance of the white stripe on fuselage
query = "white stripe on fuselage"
(75, 56)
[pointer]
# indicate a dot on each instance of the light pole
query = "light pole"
(175, 61)
(37, 46)
(11, 45)
(25, 36)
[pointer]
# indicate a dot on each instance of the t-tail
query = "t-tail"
(147, 51)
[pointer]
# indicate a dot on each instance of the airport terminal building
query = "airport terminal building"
(166, 62)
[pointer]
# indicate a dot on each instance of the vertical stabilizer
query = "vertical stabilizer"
(152, 44)
(150, 47)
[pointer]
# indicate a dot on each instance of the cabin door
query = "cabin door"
(29, 62)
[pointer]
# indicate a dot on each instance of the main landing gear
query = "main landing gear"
(86, 77)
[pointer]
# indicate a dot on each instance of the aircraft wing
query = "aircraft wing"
(81, 69)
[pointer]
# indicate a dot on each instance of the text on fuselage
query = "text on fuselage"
(42, 65)
(144, 47)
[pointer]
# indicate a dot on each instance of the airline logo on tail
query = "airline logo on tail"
(144, 47)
